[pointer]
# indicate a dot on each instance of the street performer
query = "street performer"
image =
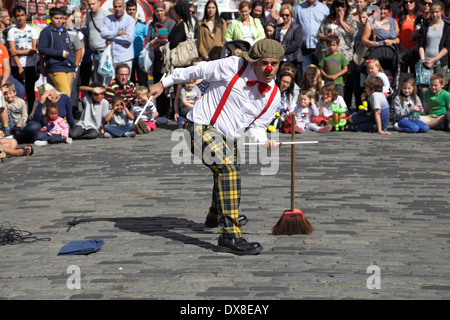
(242, 96)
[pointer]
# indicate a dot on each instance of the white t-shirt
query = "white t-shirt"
(24, 41)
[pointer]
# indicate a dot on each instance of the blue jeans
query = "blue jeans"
(118, 130)
(366, 123)
(406, 125)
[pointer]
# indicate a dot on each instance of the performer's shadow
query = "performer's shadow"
(156, 226)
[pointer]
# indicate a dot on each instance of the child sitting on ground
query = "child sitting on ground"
(55, 129)
(328, 95)
(16, 112)
(95, 109)
(306, 109)
(374, 69)
(378, 119)
(118, 120)
(408, 107)
(312, 81)
(436, 104)
(146, 122)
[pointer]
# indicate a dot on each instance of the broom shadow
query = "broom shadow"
(156, 226)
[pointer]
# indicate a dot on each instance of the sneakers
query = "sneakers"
(129, 134)
(142, 128)
(327, 128)
(107, 135)
(40, 143)
(69, 140)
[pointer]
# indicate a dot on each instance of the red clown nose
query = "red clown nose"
(269, 68)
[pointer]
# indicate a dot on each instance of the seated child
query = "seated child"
(55, 129)
(118, 120)
(328, 95)
(378, 120)
(189, 95)
(374, 69)
(147, 121)
(95, 109)
(408, 107)
(306, 109)
(436, 103)
(16, 112)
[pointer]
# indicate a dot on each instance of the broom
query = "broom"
(292, 221)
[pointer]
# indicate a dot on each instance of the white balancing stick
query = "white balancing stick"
(287, 143)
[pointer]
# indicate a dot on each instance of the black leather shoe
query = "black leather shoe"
(239, 246)
(213, 223)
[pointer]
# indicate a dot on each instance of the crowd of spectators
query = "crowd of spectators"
(323, 41)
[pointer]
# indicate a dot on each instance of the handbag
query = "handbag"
(183, 54)
(106, 66)
(423, 74)
(360, 52)
(146, 58)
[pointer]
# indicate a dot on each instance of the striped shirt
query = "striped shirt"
(128, 92)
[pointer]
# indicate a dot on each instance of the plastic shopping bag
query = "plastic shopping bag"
(106, 67)
(146, 58)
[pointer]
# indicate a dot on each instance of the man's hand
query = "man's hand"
(272, 144)
(156, 90)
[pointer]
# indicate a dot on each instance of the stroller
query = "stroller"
(389, 59)
(230, 46)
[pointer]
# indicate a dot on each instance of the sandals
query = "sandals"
(25, 150)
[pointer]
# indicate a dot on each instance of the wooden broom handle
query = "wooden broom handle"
(292, 161)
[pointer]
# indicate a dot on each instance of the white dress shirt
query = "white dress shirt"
(244, 103)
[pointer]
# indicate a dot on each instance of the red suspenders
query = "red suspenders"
(228, 91)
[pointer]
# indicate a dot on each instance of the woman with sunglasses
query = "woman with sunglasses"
(343, 25)
(406, 18)
(289, 34)
(340, 23)
(423, 19)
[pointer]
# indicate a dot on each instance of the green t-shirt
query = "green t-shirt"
(333, 64)
(437, 103)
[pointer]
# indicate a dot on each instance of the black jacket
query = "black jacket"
(292, 41)
(444, 43)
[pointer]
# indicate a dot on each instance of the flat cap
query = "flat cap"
(264, 48)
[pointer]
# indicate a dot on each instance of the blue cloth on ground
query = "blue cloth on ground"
(81, 247)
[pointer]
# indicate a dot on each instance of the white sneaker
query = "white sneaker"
(40, 143)
(69, 140)
(396, 126)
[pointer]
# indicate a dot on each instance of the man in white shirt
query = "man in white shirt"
(251, 105)
(22, 40)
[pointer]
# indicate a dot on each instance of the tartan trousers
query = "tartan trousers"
(221, 158)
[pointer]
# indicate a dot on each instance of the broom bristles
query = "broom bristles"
(292, 223)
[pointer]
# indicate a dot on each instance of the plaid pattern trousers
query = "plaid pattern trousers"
(220, 156)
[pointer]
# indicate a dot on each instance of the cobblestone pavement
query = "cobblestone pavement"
(379, 204)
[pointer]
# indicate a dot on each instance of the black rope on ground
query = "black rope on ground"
(13, 235)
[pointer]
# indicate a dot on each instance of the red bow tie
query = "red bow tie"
(262, 86)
